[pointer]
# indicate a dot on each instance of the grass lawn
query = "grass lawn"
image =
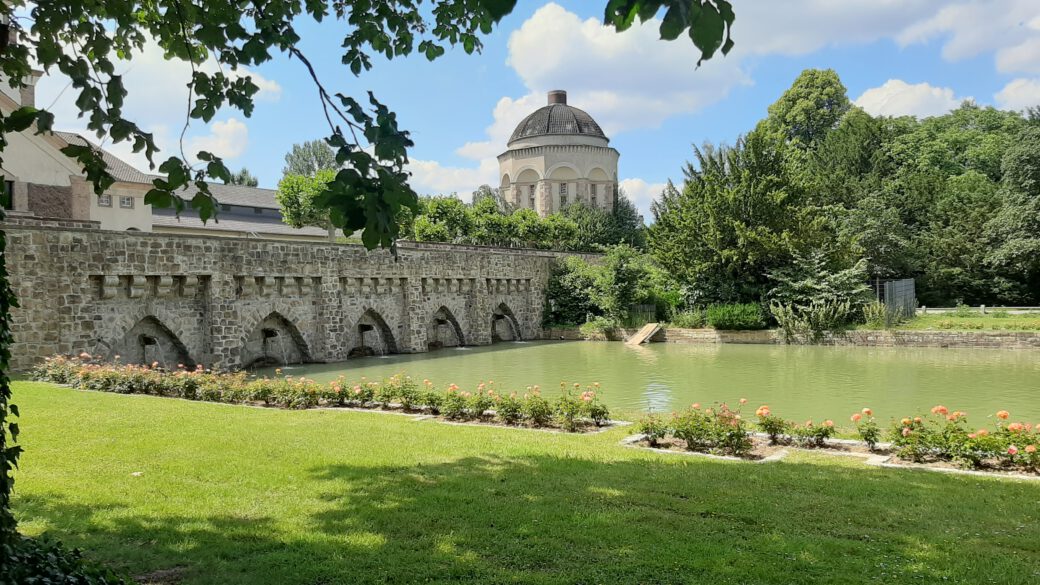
(231, 494)
(975, 322)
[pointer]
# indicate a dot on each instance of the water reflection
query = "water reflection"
(798, 382)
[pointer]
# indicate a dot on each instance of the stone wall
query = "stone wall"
(962, 339)
(232, 302)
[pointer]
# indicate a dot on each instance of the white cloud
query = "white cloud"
(430, 177)
(1019, 94)
(227, 139)
(973, 27)
(899, 98)
(158, 102)
(628, 80)
(642, 194)
(1021, 58)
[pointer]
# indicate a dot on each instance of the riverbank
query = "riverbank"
(858, 337)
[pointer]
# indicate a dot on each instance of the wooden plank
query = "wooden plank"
(644, 334)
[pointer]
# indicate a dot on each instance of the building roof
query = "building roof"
(225, 194)
(233, 223)
(557, 118)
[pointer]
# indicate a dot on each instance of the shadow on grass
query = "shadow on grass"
(567, 520)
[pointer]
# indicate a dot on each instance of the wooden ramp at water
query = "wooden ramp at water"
(644, 334)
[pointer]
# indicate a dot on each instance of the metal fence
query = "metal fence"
(899, 296)
(639, 315)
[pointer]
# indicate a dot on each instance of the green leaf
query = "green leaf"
(707, 32)
(673, 24)
(20, 119)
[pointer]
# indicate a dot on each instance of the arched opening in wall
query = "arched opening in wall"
(149, 341)
(372, 336)
(275, 341)
(600, 189)
(504, 326)
(527, 185)
(564, 186)
(443, 330)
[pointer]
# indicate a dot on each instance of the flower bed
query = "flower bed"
(575, 410)
(942, 439)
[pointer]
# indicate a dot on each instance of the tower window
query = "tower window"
(595, 195)
(104, 200)
(563, 194)
(530, 195)
(126, 201)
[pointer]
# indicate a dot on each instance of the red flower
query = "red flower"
(1012, 450)
(1003, 414)
(940, 410)
(868, 411)
(856, 417)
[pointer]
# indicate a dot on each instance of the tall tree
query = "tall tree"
(812, 107)
(243, 177)
(310, 157)
(299, 197)
(740, 215)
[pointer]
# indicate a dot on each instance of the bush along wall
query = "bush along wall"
(576, 409)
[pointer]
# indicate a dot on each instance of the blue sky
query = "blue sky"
(918, 57)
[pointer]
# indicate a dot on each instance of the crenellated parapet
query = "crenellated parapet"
(235, 302)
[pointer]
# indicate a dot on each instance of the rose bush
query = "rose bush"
(572, 411)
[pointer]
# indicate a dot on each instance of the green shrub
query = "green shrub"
(454, 405)
(713, 430)
(812, 435)
(30, 560)
(479, 403)
(810, 322)
(654, 428)
(537, 409)
(431, 400)
(690, 319)
(963, 310)
(774, 426)
(1000, 314)
(567, 411)
(867, 427)
(598, 326)
(289, 392)
(878, 315)
(509, 409)
(736, 316)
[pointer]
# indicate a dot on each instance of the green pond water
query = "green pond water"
(797, 382)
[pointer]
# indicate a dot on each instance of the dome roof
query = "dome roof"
(557, 118)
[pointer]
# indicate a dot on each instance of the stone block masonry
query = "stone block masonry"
(231, 303)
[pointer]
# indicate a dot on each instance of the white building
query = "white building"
(558, 155)
(43, 182)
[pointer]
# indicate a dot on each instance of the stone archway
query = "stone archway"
(274, 341)
(372, 336)
(150, 341)
(504, 326)
(443, 330)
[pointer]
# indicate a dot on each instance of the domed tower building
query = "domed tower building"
(557, 156)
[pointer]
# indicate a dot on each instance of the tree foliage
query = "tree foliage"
(298, 195)
(243, 177)
(949, 200)
(742, 212)
(310, 157)
(811, 107)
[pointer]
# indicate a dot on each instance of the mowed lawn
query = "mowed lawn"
(232, 494)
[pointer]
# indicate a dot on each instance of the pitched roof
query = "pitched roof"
(233, 223)
(225, 194)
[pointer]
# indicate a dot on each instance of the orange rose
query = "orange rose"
(856, 417)
(1003, 414)
(1030, 448)
(868, 412)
